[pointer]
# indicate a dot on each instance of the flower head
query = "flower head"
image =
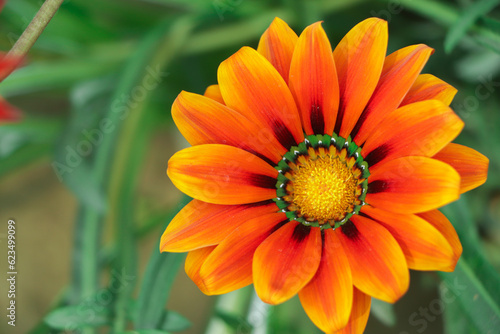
(319, 172)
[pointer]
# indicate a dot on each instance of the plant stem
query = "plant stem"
(35, 28)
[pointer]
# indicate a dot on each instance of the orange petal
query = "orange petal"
(277, 45)
(229, 267)
(418, 129)
(327, 298)
(469, 163)
(222, 174)
(377, 262)
(443, 225)
(401, 68)
(202, 120)
(8, 112)
(313, 81)
(412, 185)
(425, 248)
(194, 261)
(213, 92)
(359, 58)
(251, 85)
(200, 224)
(428, 87)
(359, 315)
(286, 261)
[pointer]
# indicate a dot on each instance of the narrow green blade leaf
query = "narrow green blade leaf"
(470, 15)
(464, 286)
(384, 312)
(459, 215)
(491, 23)
(144, 331)
(174, 322)
(78, 316)
(158, 279)
(236, 322)
(24, 142)
(454, 321)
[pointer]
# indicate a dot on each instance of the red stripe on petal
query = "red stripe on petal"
(286, 261)
(327, 298)
(401, 68)
(418, 129)
(469, 163)
(222, 174)
(359, 315)
(313, 81)
(200, 224)
(428, 87)
(202, 120)
(377, 262)
(229, 267)
(359, 58)
(412, 185)
(277, 45)
(251, 85)
(424, 246)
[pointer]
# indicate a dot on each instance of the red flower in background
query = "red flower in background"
(7, 65)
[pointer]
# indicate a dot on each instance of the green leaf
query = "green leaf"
(454, 321)
(384, 312)
(157, 282)
(79, 316)
(447, 15)
(144, 331)
(236, 322)
(491, 23)
(62, 73)
(463, 286)
(466, 20)
(26, 141)
(30, 131)
(458, 213)
(174, 322)
(155, 52)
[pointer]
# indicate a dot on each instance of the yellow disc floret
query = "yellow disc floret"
(324, 185)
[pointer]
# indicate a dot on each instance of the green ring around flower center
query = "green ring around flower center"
(322, 181)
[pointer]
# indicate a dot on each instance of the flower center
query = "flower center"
(323, 188)
(322, 181)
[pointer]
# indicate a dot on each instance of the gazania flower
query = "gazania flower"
(320, 172)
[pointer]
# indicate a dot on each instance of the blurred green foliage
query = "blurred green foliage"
(99, 84)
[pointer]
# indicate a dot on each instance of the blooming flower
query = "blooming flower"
(320, 172)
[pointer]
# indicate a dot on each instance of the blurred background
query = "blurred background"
(83, 172)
